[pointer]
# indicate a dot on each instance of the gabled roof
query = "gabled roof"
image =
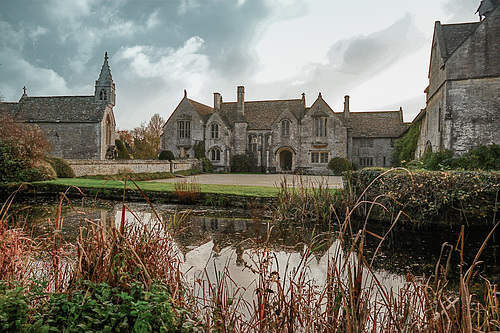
(261, 114)
(450, 36)
(376, 124)
(8, 107)
(60, 109)
(203, 110)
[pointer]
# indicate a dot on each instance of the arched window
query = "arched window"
(108, 130)
(214, 131)
(103, 96)
(285, 128)
(215, 154)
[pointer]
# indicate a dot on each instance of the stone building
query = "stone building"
(281, 135)
(463, 97)
(78, 127)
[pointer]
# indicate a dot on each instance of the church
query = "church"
(281, 135)
(78, 127)
(463, 97)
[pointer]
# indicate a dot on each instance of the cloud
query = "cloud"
(460, 10)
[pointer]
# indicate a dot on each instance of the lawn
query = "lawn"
(251, 191)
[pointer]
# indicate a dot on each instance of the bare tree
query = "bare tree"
(146, 138)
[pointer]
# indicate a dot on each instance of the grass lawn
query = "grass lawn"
(251, 191)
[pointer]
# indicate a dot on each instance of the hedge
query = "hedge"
(429, 197)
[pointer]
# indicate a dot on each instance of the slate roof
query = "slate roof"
(450, 36)
(60, 109)
(203, 110)
(8, 107)
(376, 124)
(261, 114)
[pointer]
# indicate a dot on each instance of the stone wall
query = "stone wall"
(95, 167)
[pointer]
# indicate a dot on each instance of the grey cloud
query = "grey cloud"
(460, 10)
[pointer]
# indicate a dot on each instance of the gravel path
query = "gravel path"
(262, 180)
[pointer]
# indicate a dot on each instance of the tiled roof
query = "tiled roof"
(8, 107)
(261, 114)
(381, 124)
(204, 110)
(61, 109)
(454, 34)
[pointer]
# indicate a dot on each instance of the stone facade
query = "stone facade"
(78, 127)
(463, 96)
(281, 135)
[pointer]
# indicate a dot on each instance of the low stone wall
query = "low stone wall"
(111, 167)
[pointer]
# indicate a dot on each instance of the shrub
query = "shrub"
(441, 160)
(240, 163)
(207, 165)
(339, 164)
(21, 146)
(405, 147)
(199, 149)
(61, 167)
(123, 153)
(481, 158)
(39, 172)
(166, 155)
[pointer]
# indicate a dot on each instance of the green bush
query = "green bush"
(123, 153)
(240, 163)
(339, 164)
(10, 165)
(441, 160)
(481, 158)
(199, 149)
(39, 172)
(14, 309)
(61, 167)
(101, 308)
(166, 155)
(405, 147)
(207, 165)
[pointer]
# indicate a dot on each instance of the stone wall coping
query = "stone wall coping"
(111, 162)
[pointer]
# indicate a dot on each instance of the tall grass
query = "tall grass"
(282, 298)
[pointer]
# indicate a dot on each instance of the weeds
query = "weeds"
(126, 277)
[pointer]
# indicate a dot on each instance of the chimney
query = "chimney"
(217, 101)
(346, 106)
(241, 100)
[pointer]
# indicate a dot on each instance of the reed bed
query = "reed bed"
(281, 298)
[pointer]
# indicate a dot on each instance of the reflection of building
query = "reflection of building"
(463, 96)
(78, 127)
(281, 135)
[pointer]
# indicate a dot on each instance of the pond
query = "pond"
(213, 237)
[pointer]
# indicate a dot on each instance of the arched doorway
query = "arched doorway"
(286, 160)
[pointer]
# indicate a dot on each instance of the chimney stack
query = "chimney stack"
(217, 101)
(241, 100)
(346, 106)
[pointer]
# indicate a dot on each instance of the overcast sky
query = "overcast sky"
(375, 51)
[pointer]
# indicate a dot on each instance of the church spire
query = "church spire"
(104, 86)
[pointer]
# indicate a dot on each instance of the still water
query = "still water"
(210, 240)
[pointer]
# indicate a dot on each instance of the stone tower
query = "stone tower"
(104, 86)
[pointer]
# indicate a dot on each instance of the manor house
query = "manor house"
(463, 96)
(78, 127)
(281, 135)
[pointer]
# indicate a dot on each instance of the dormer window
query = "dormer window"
(285, 128)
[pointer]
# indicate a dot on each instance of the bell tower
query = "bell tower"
(104, 86)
